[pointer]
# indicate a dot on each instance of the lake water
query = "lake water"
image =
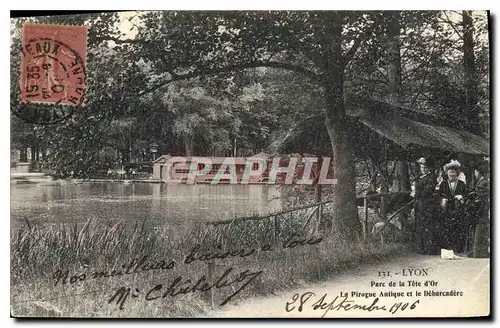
(62, 201)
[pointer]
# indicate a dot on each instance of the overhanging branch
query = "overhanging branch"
(232, 68)
(357, 43)
(123, 41)
(206, 72)
(452, 24)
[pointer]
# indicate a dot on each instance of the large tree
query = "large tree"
(319, 45)
(313, 56)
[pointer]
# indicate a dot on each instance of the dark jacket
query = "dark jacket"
(425, 198)
(483, 199)
(446, 192)
(482, 233)
(426, 214)
(425, 186)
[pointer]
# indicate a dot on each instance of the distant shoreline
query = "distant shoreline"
(39, 177)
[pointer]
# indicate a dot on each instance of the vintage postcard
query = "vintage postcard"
(250, 164)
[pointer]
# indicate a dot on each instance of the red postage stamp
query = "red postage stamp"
(53, 64)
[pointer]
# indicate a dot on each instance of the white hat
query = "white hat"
(453, 164)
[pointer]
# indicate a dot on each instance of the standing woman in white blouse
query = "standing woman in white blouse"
(453, 220)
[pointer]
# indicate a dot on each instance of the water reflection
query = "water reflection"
(67, 202)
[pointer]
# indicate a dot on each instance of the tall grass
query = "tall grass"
(37, 251)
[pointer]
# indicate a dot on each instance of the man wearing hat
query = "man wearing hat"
(426, 208)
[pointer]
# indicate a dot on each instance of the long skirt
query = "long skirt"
(427, 226)
(454, 230)
(481, 238)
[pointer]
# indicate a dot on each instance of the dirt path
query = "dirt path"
(467, 275)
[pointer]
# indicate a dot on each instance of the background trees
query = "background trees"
(237, 83)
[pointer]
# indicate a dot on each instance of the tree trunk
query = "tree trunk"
(471, 113)
(23, 157)
(384, 198)
(345, 212)
(401, 181)
(346, 224)
(188, 146)
(470, 110)
(394, 57)
(33, 152)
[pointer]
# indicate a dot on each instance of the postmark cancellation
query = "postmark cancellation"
(53, 64)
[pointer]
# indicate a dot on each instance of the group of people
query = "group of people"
(447, 214)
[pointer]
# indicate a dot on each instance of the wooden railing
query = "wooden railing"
(314, 213)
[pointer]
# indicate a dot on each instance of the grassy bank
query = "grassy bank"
(94, 249)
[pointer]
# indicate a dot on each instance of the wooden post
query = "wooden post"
(317, 197)
(365, 219)
(320, 212)
(318, 216)
(211, 279)
(309, 219)
(275, 229)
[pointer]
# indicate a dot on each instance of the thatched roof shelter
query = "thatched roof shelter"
(405, 127)
(394, 124)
